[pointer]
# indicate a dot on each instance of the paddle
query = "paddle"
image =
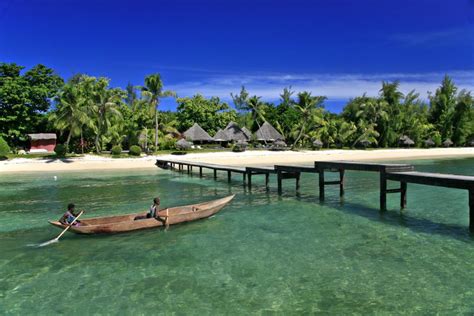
(52, 241)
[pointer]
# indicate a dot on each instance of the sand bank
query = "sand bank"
(248, 158)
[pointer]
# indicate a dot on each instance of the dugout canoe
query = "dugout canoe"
(125, 223)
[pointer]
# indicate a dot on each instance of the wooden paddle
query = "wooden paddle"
(62, 233)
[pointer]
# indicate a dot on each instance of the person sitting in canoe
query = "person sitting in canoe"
(153, 212)
(70, 216)
(154, 208)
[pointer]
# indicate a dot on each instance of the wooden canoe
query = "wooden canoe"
(125, 223)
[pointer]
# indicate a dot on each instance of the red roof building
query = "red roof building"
(40, 143)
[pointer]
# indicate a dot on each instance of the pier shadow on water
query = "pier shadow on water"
(400, 218)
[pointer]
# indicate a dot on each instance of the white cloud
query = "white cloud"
(334, 86)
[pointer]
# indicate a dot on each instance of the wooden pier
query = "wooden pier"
(402, 173)
(381, 168)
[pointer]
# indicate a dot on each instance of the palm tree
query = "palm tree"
(307, 106)
(71, 112)
(105, 108)
(153, 91)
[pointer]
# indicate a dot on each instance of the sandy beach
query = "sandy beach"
(248, 158)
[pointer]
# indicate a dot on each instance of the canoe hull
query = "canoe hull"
(126, 223)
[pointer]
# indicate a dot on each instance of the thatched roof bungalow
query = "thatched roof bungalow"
(317, 143)
(268, 133)
(406, 141)
(448, 142)
(183, 144)
(247, 132)
(197, 134)
(235, 133)
(220, 136)
(429, 142)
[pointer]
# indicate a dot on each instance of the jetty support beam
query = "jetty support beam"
(471, 209)
(383, 191)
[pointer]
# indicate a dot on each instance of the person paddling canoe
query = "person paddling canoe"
(70, 216)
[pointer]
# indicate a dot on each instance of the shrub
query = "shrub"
(239, 147)
(116, 150)
(60, 150)
(4, 149)
(135, 150)
(167, 143)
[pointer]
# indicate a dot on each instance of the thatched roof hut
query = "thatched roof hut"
(268, 133)
(196, 134)
(365, 142)
(317, 143)
(183, 144)
(247, 132)
(220, 136)
(235, 133)
(448, 142)
(429, 142)
(279, 145)
(406, 141)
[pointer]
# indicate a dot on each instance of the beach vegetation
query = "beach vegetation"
(4, 148)
(116, 150)
(88, 114)
(60, 150)
(135, 150)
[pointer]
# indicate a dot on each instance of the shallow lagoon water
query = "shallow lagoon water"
(261, 254)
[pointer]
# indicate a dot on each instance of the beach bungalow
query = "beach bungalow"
(42, 143)
(247, 132)
(268, 133)
(234, 133)
(196, 134)
(448, 142)
(406, 141)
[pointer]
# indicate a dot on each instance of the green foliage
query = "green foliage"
(116, 150)
(211, 114)
(60, 150)
(152, 93)
(167, 143)
(135, 150)
(4, 148)
(237, 148)
(90, 114)
(24, 99)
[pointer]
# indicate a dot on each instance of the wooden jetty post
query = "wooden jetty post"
(291, 172)
(436, 179)
(382, 168)
(471, 209)
(251, 171)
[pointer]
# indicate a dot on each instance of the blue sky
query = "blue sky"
(337, 48)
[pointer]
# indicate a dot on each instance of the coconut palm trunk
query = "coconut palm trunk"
(156, 128)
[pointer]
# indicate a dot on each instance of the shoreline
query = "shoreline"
(248, 158)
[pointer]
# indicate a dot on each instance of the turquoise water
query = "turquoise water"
(261, 254)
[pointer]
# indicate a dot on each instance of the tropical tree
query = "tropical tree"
(25, 99)
(309, 107)
(104, 104)
(211, 114)
(153, 92)
(71, 112)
